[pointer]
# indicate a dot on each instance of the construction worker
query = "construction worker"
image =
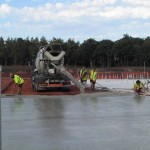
(139, 87)
(18, 81)
(83, 75)
(93, 77)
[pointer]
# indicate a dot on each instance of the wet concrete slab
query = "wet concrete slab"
(81, 122)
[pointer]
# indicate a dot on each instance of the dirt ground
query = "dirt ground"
(7, 85)
(25, 72)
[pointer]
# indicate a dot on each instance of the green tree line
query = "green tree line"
(125, 52)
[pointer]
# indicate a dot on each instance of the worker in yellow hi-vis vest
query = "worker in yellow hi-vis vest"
(93, 77)
(139, 87)
(18, 81)
(83, 75)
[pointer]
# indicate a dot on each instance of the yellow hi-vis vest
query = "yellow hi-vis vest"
(81, 73)
(93, 75)
(138, 86)
(18, 80)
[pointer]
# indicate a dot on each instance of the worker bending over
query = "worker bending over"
(93, 77)
(83, 75)
(139, 87)
(18, 81)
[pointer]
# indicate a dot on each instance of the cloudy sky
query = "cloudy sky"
(76, 19)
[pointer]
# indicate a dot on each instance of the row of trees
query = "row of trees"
(125, 52)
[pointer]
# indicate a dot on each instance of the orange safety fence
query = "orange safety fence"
(122, 75)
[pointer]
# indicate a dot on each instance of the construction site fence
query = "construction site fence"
(123, 75)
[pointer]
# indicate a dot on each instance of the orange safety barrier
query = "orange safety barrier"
(122, 75)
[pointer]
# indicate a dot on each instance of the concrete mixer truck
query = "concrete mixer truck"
(49, 72)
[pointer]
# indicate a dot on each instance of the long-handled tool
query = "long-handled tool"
(99, 84)
(102, 87)
(12, 91)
